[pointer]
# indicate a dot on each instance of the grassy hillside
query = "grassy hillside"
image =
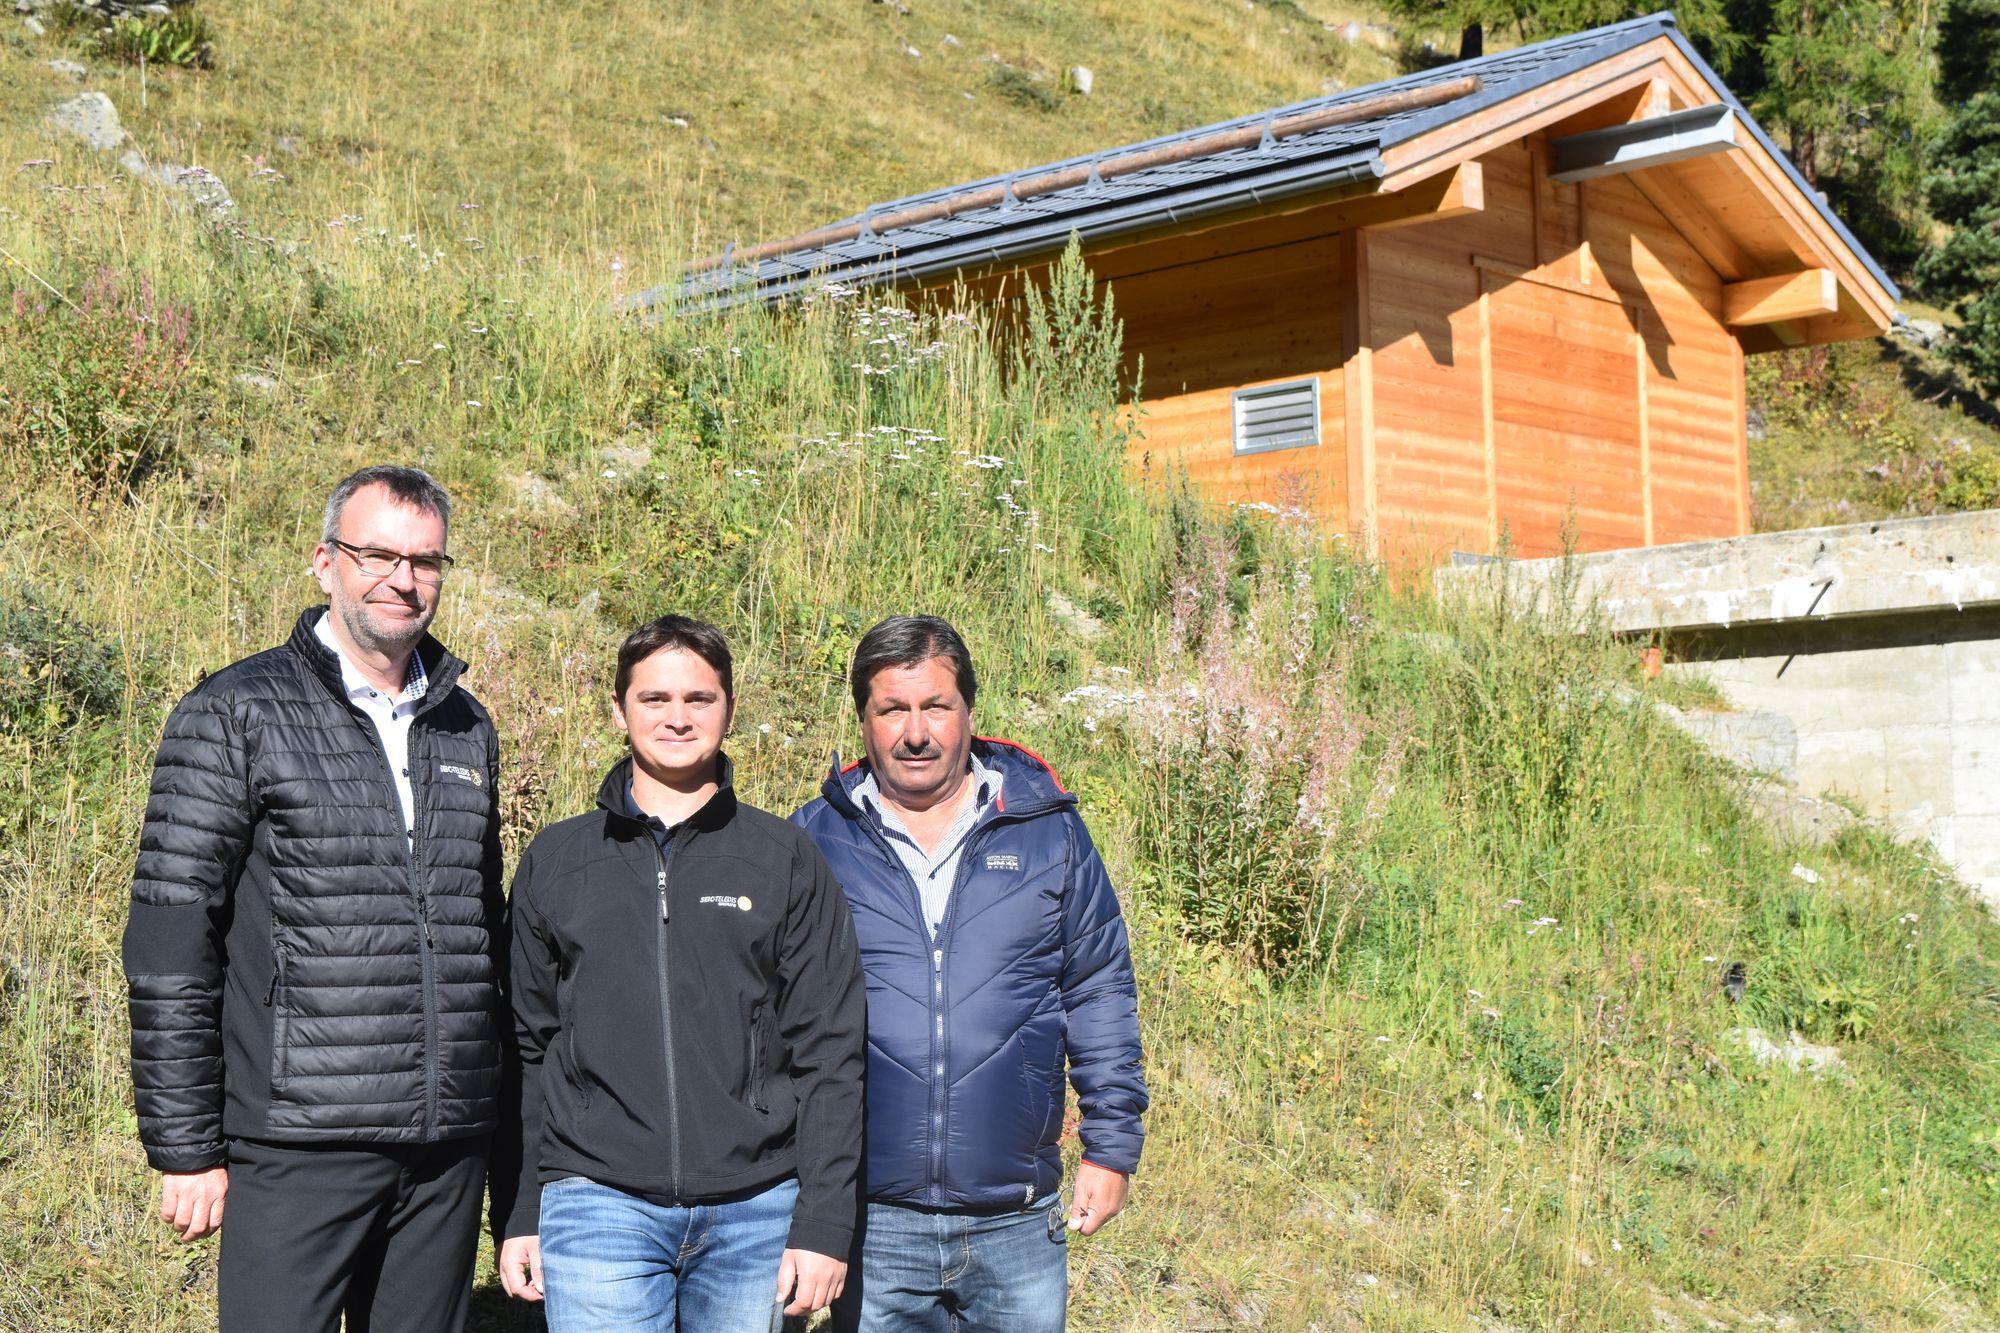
(1430, 914)
(573, 121)
(1866, 430)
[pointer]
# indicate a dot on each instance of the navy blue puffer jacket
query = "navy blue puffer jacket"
(968, 1037)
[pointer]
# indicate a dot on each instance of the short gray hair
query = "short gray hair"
(411, 487)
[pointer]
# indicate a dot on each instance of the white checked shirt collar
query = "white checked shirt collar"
(933, 872)
(391, 715)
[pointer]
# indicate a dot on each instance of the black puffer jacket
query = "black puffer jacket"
(300, 970)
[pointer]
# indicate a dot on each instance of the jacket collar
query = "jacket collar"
(1028, 785)
(717, 812)
(441, 668)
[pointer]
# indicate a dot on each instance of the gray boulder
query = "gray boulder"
(1074, 618)
(69, 69)
(203, 188)
(91, 118)
(1922, 332)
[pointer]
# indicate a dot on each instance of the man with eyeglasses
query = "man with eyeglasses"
(315, 945)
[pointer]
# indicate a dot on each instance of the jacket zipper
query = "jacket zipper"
(939, 1044)
(757, 1058)
(426, 943)
(280, 1028)
(427, 946)
(934, 1130)
(667, 1029)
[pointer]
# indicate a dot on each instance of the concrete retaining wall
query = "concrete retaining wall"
(1879, 642)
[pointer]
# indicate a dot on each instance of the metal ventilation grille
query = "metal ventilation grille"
(1277, 416)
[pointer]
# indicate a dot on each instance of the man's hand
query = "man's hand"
(1097, 1198)
(810, 1280)
(521, 1267)
(191, 1201)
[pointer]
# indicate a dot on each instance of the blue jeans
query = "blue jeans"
(924, 1272)
(612, 1261)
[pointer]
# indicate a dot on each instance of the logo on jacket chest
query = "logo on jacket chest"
(1002, 861)
(462, 773)
(741, 904)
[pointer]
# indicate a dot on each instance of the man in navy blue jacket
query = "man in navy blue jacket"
(994, 954)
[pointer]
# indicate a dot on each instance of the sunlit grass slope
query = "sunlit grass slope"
(760, 118)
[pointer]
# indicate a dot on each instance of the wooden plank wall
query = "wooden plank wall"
(1558, 358)
(1422, 323)
(1565, 418)
(1700, 470)
(1204, 329)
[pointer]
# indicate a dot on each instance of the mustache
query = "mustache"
(928, 750)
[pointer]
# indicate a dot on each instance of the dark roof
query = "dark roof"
(1187, 190)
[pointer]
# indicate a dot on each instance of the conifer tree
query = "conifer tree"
(1532, 20)
(1964, 188)
(1843, 83)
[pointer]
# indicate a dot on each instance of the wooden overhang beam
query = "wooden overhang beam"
(1653, 141)
(1781, 299)
(1866, 308)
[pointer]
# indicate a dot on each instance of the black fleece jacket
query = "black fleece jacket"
(689, 1020)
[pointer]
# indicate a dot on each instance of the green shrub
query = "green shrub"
(1024, 89)
(1536, 1064)
(181, 38)
(53, 668)
(1526, 709)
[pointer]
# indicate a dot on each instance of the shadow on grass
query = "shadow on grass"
(1943, 387)
(493, 1312)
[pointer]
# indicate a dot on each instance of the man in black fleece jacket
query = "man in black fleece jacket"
(688, 1017)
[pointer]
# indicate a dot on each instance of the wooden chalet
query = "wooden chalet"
(1455, 310)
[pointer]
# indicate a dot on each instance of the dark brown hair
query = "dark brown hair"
(907, 641)
(410, 487)
(703, 640)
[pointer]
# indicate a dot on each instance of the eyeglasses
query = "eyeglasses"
(380, 564)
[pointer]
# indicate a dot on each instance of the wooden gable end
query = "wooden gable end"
(1556, 370)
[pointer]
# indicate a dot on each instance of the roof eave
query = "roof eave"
(1784, 162)
(1045, 237)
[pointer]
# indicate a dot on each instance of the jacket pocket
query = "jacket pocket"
(279, 997)
(580, 1080)
(757, 1096)
(1042, 1106)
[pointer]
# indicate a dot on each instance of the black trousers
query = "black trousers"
(384, 1237)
